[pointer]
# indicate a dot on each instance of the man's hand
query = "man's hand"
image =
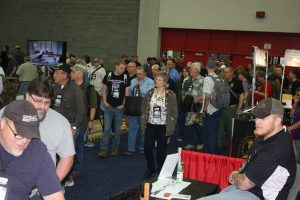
(90, 124)
(73, 131)
(106, 104)
(120, 107)
(230, 180)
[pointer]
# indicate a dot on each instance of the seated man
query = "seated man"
(270, 170)
(25, 162)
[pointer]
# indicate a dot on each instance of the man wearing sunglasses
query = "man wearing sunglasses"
(24, 160)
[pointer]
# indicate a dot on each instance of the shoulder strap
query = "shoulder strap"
(95, 71)
(109, 76)
(231, 91)
(125, 79)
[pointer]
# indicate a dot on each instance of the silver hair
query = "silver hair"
(197, 65)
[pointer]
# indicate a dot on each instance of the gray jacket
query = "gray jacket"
(172, 111)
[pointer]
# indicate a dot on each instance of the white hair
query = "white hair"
(197, 66)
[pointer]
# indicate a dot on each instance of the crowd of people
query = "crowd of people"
(59, 111)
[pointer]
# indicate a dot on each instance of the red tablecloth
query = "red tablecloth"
(208, 167)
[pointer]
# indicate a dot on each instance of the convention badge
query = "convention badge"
(116, 94)
(58, 99)
(156, 111)
(190, 89)
(3, 187)
(93, 76)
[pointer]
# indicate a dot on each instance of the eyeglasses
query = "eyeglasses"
(40, 101)
(16, 135)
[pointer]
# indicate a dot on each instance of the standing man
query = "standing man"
(270, 170)
(12, 65)
(25, 162)
(114, 89)
(68, 98)
(90, 103)
(139, 87)
(211, 114)
(192, 88)
(96, 74)
(131, 69)
(234, 108)
(173, 73)
(68, 101)
(19, 54)
(26, 72)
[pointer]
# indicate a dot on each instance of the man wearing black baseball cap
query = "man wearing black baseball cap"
(24, 160)
(270, 169)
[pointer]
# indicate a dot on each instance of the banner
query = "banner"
(292, 58)
(242, 138)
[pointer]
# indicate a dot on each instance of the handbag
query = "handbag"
(193, 118)
(187, 102)
(133, 104)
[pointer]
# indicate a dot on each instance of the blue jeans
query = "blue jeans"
(79, 148)
(297, 143)
(134, 129)
(23, 87)
(232, 192)
(110, 114)
(210, 124)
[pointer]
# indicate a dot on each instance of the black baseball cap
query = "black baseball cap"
(268, 107)
(25, 118)
(62, 66)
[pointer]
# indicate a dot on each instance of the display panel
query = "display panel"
(46, 52)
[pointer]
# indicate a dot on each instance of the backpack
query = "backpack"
(221, 96)
(125, 77)
(9, 93)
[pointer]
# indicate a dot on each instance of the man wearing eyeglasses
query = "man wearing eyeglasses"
(55, 128)
(24, 160)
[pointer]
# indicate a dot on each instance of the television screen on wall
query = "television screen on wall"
(46, 52)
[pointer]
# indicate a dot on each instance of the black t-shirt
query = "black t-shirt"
(271, 166)
(237, 87)
(116, 85)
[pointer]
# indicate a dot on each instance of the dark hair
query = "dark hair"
(296, 72)
(120, 61)
(41, 87)
(87, 58)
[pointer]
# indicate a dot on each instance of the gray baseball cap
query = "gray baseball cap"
(25, 118)
(268, 107)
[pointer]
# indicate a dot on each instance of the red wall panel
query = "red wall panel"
(245, 41)
(173, 40)
(278, 41)
(222, 42)
(237, 43)
(197, 40)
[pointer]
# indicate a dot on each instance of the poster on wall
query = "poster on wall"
(292, 58)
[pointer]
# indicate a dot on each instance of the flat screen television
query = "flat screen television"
(46, 52)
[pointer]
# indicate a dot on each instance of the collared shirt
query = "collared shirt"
(96, 78)
(208, 88)
(174, 75)
(192, 87)
(145, 85)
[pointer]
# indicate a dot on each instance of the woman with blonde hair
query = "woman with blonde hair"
(159, 117)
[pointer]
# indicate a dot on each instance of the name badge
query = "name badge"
(156, 112)
(58, 100)
(116, 94)
(3, 188)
